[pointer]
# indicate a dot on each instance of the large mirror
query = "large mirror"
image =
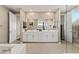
(41, 20)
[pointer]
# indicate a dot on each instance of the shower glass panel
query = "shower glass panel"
(75, 27)
(72, 29)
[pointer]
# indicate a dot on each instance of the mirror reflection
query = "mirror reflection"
(41, 20)
(75, 27)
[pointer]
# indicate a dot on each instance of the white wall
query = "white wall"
(68, 26)
(65, 21)
(18, 25)
(22, 18)
(58, 22)
(3, 25)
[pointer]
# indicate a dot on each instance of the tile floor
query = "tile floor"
(51, 48)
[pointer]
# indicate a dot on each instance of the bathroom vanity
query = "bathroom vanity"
(40, 36)
(40, 26)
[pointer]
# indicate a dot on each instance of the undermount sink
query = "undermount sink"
(33, 31)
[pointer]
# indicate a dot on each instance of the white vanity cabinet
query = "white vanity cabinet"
(45, 37)
(42, 36)
(35, 37)
(30, 36)
(53, 36)
(25, 35)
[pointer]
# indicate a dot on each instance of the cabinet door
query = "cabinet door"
(55, 36)
(30, 37)
(25, 37)
(45, 37)
(12, 27)
(50, 36)
(41, 36)
(35, 37)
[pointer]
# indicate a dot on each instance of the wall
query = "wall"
(22, 18)
(3, 25)
(65, 26)
(58, 22)
(68, 26)
(18, 25)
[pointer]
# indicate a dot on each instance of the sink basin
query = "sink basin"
(33, 31)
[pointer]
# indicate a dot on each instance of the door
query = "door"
(12, 27)
(62, 27)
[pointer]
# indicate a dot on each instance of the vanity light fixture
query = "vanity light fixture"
(31, 11)
(49, 12)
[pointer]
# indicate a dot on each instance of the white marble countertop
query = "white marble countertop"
(40, 31)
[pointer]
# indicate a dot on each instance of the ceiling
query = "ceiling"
(26, 8)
